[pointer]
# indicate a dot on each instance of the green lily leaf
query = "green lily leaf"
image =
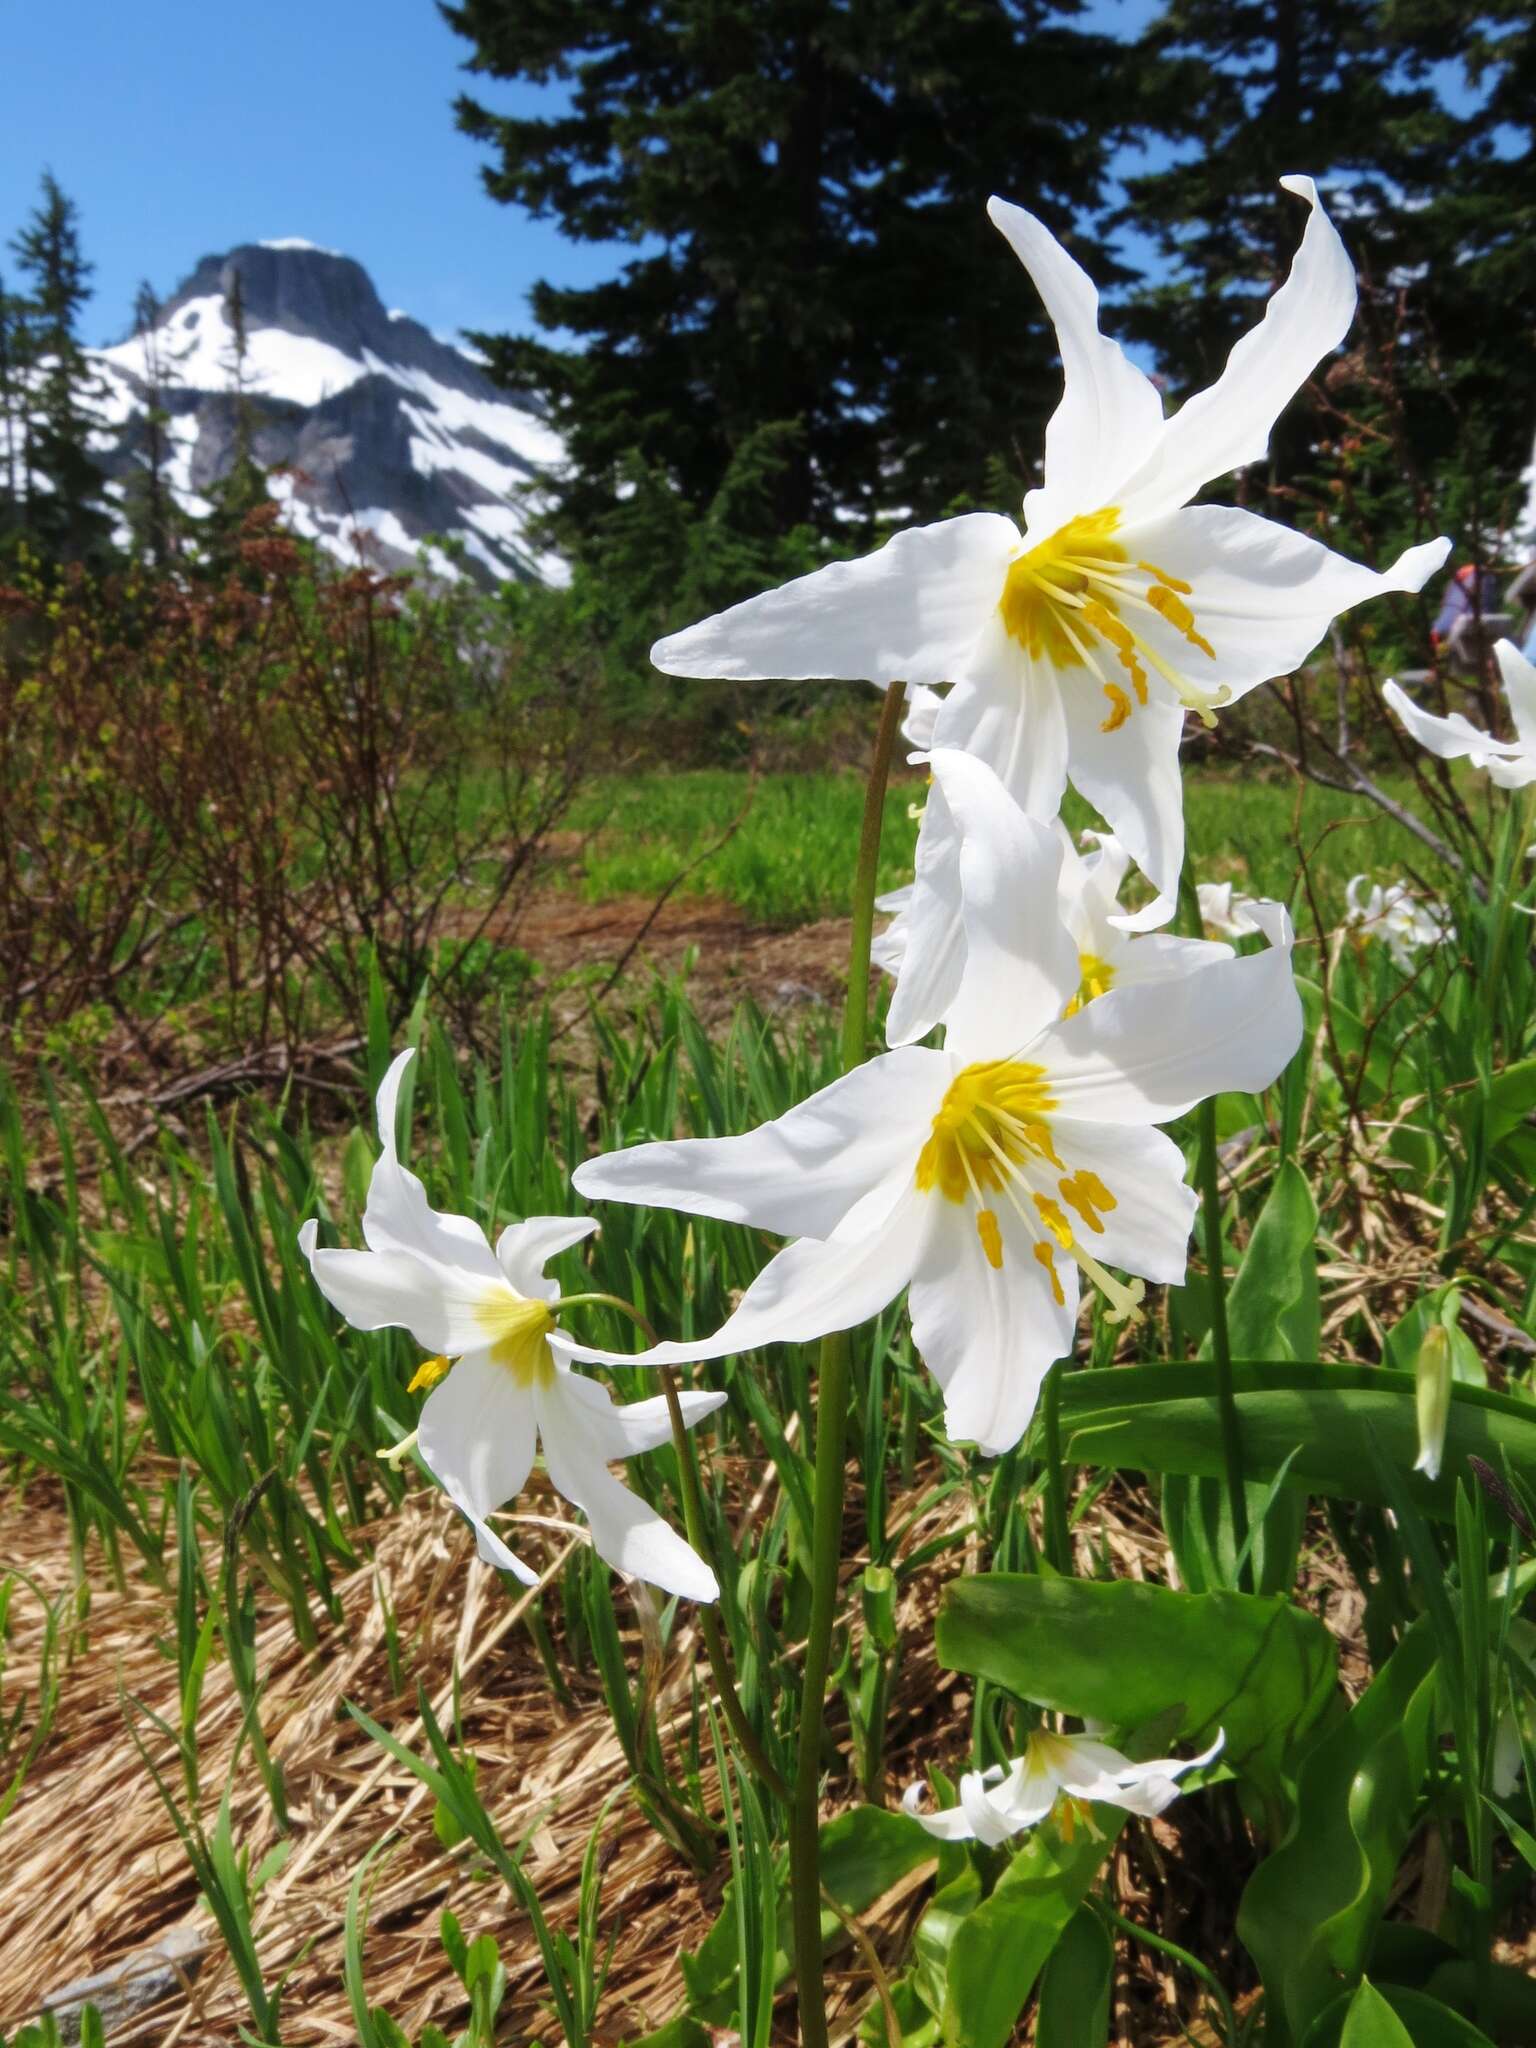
(1310, 1910)
(1127, 1653)
(1371, 2022)
(1000, 1949)
(1162, 1418)
(1075, 1989)
(1390, 2016)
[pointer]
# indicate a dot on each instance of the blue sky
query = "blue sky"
(182, 129)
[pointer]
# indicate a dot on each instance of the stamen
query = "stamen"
(1119, 708)
(1047, 1258)
(427, 1374)
(991, 1238)
(1054, 1220)
(1122, 639)
(1179, 616)
(1087, 1194)
(1162, 576)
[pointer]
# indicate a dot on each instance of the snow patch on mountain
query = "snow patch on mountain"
(377, 435)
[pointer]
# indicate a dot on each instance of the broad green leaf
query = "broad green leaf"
(1272, 1309)
(1076, 1986)
(1126, 1654)
(1506, 1994)
(1421, 2021)
(1310, 1910)
(1510, 1099)
(1162, 1418)
(999, 1950)
(1371, 2022)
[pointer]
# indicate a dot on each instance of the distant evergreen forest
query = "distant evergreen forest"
(820, 334)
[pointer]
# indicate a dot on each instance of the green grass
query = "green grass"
(787, 862)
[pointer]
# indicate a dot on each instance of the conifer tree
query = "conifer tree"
(243, 486)
(815, 285)
(13, 415)
(148, 499)
(1343, 90)
(64, 510)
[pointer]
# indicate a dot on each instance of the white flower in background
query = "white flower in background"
(1076, 644)
(985, 1177)
(928, 937)
(1509, 763)
(1403, 922)
(1072, 1772)
(1222, 912)
(509, 1388)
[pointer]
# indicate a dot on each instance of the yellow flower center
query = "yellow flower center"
(992, 1135)
(517, 1330)
(1097, 979)
(1066, 600)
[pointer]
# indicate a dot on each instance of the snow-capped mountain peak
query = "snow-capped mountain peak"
(380, 434)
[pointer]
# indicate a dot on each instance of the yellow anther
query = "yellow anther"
(991, 1237)
(1072, 1813)
(1119, 708)
(1179, 616)
(1055, 1221)
(1087, 1194)
(427, 1374)
(1162, 576)
(1123, 641)
(1047, 1258)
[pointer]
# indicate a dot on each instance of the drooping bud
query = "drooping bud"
(1432, 1397)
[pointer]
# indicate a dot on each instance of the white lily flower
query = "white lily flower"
(1076, 644)
(1065, 1772)
(985, 1177)
(509, 1388)
(888, 948)
(925, 945)
(1222, 912)
(1509, 763)
(1402, 921)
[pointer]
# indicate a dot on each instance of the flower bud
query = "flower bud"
(1432, 1397)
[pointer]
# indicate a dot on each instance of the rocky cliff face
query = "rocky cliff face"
(379, 436)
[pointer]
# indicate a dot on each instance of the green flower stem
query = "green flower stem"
(1171, 1949)
(831, 1428)
(693, 1521)
(1208, 1176)
(805, 1811)
(1058, 1527)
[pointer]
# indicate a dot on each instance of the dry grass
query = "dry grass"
(94, 1871)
